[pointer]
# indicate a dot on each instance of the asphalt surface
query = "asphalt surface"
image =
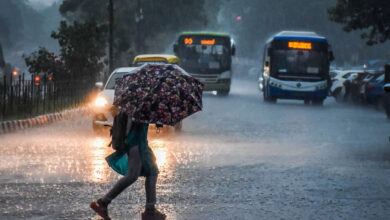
(238, 159)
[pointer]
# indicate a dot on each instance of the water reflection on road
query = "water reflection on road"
(99, 152)
(160, 151)
(239, 158)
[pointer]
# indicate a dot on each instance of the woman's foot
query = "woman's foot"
(100, 208)
(153, 213)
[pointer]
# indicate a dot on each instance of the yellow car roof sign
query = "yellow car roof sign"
(166, 58)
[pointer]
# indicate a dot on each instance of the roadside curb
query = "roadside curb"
(16, 125)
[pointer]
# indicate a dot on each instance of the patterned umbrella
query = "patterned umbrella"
(158, 94)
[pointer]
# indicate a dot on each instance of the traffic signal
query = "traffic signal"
(37, 79)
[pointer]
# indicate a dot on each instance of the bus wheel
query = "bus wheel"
(223, 92)
(318, 102)
(307, 101)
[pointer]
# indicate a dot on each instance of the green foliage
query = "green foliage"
(372, 16)
(43, 61)
(263, 18)
(82, 48)
(141, 26)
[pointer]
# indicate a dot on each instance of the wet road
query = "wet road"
(238, 159)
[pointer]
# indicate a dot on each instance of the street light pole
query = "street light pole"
(110, 39)
(138, 19)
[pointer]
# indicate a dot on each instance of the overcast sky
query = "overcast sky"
(42, 3)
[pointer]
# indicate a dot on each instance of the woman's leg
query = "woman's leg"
(150, 210)
(135, 165)
(150, 189)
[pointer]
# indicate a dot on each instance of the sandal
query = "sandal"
(153, 214)
(100, 208)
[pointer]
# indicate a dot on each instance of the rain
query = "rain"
(294, 121)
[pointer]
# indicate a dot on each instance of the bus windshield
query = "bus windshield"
(213, 58)
(204, 53)
(299, 62)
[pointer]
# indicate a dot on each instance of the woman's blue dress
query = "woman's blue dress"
(138, 136)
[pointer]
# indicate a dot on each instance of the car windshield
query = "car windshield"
(301, 62)
(140, 63)
(347, 75)
(380, 78)
(368, 77)
(111, 82)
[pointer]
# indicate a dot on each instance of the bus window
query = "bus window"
(299, 62)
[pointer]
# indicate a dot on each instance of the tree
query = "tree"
(82, 47)
(260, 19)
(372, 16)
(80, 60)
(43, 61)
(141, 26)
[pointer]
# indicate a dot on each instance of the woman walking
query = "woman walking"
(141, 162)
(156, 94)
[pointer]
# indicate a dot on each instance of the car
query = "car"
(386, 88)
(338, 78)
(374, 93)
(357, 85)
(372, 80)
(353, 86)
(386, 100)
(102, 115)
(102, 105)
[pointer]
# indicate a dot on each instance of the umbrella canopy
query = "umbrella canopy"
(158, 94)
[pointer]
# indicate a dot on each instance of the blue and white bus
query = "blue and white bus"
(296, 66)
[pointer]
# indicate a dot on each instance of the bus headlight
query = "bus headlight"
(225, 75)
(101, 101)
(322, 86)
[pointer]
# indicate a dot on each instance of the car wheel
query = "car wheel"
(386, 105)
(98, 129)
(306, 101)
(318, 102)
(178, 126)
(380, 103)
(337, 94)
(387, 110)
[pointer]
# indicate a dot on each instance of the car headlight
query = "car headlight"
(101, 101)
